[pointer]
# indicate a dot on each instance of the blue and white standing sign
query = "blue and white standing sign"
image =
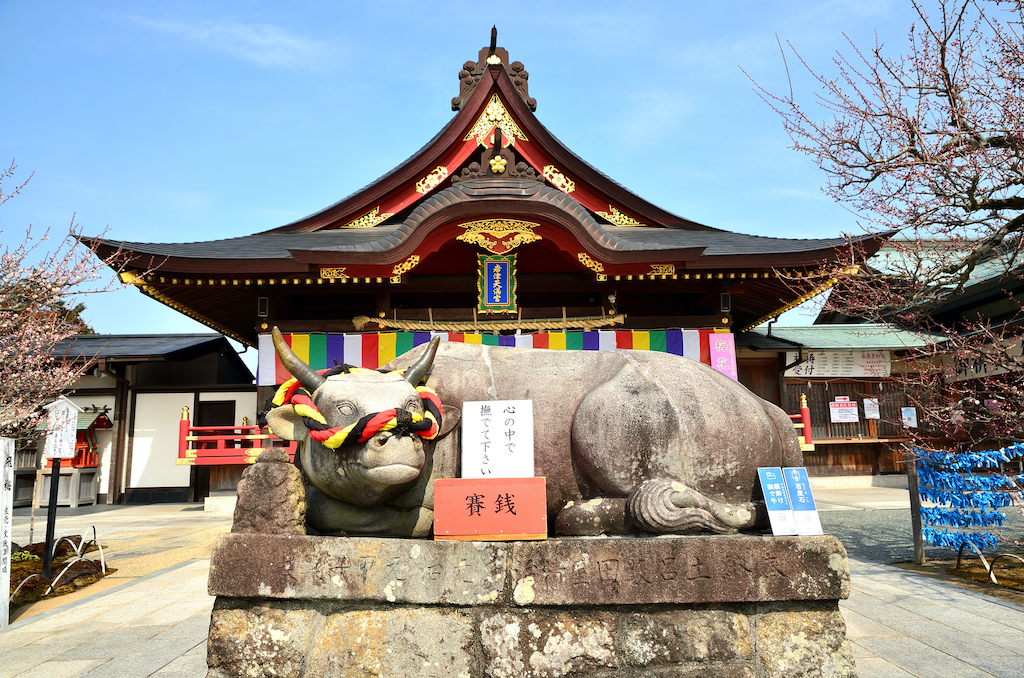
(776, 498)
(804, 511)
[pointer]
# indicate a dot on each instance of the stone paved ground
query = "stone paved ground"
(901, 624)
(152, 626)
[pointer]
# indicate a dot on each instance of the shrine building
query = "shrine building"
(493, 232)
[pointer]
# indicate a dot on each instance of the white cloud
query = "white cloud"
(262, 44)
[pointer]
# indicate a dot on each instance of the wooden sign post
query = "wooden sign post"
(6, 506)
(61, 430)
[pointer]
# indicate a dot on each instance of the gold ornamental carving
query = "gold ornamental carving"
(595, 266)
(557, 179)
(663, 269)
(406, 265)
(333, 273)
(620, 219)
(370, 219)
(499, 236)
(432, 180)
(495, 115)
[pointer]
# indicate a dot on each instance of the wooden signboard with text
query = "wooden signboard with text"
(490, 509)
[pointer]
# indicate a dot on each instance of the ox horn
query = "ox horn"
(415, 374)
(306, 375)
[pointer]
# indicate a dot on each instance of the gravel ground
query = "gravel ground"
(885, 536)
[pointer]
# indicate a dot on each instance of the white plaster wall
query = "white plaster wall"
(155, 440)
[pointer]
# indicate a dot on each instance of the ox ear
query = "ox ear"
(451, 418)
(284, 423)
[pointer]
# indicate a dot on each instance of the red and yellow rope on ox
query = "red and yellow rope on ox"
(425, 425)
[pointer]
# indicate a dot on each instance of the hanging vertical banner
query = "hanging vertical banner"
(496, 283)
(722, 349)
(776, 498)
(805, 512)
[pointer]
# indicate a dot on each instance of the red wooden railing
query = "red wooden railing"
(223, 445)
(802, 422)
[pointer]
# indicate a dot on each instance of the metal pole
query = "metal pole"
(915, 508)
(51, 520)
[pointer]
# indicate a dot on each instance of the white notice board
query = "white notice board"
(61, 428)
(840, 364)
(843, 411)
(497, 439)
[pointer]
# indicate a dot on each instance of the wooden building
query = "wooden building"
(140, 385)
(492, 228)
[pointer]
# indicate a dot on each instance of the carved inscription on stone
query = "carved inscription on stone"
(724, 569)
(360, 569)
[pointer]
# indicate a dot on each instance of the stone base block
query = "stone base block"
(732, 606)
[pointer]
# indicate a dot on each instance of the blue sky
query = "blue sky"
(185, 121)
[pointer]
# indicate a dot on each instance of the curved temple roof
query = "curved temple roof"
(493, 160)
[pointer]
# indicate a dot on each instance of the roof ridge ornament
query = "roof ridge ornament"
(492, 58)
(492, 55)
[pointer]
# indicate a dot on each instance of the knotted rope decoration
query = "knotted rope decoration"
(425, 425)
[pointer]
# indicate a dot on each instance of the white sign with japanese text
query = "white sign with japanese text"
(840, 364)
(497, 439)
(6, 507)
(871, 410)
(1008, 356)
(61, 428)
(776, 499)
(843, 411)
(805, 512)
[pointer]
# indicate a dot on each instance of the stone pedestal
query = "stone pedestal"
(737, 605)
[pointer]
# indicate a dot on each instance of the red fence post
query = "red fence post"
(183, 427)
(805, 418)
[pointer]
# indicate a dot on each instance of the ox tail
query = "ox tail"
(663, 506)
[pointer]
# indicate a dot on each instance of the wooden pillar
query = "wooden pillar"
(120, 422)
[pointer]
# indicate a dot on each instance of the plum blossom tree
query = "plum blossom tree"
(36, 285)
(928, 144)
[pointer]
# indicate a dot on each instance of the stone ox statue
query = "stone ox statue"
(628, 441)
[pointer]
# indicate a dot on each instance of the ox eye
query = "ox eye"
(413, 405)
(346, 409)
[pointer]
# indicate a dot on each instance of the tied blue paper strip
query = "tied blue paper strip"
(967, 500)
